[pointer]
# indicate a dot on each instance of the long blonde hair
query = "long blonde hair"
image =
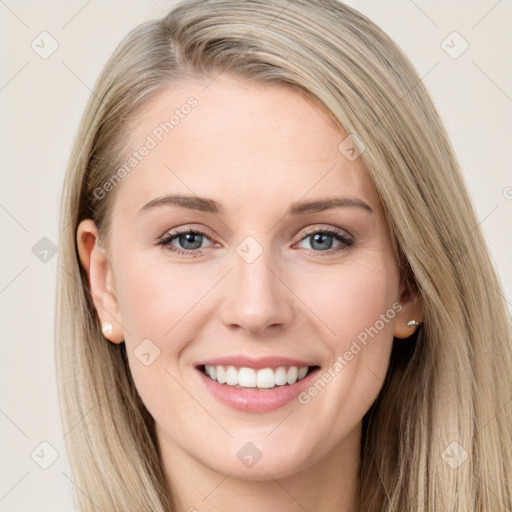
(445, 397)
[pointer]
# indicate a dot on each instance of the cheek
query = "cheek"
(159, 300)
(160, 307)
(359, 308)
(163, 308)
(351, 297)
(357, 305)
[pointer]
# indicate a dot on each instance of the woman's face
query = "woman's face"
(262, 275)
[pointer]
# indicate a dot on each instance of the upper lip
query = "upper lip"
(261, 362)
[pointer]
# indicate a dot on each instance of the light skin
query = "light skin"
(255, 149)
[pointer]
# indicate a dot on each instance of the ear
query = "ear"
(95, 261)
(412, 309)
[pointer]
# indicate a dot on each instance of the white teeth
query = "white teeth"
(280, 376)
(246, 377)
(231, 376)
(302, 372)
(220, 373)
(264, 378)
(292, 374)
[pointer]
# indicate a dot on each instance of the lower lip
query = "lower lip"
(256, 400)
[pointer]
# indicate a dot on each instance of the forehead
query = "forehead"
(239, 141)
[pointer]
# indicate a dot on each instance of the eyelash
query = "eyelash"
(346, 242)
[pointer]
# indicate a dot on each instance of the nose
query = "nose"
(257, 297)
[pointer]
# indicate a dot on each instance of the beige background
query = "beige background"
(41, 101)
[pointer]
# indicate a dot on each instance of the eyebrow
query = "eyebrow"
(203, 204)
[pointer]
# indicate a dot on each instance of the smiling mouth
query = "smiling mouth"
(252, 379)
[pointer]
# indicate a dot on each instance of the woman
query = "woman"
(211, 352)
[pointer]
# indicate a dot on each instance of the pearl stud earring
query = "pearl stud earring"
(106, 328)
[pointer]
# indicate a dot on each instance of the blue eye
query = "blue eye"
(321, 240)
(191, 241)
